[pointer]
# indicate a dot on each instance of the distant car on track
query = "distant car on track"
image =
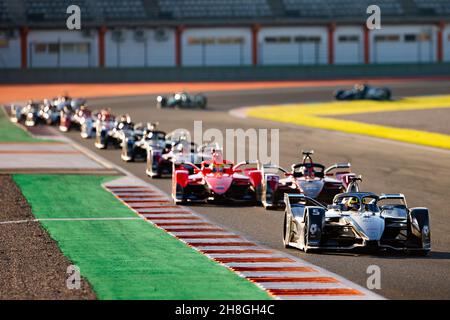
(307, 177)
(363, 92)
(143, 140)
(72, 117)
(28, 115)
(49, 112)
(180, 152)
(87, 122)
(182, 100)
(356, 220)
(103, 128)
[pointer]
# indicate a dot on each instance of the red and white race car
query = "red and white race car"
(308, 178)
(216, 180)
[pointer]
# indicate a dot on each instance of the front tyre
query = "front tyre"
(127, 151)
(286, 231)
(201, 101)
(312, 230)
(306, 235)
(161, 102)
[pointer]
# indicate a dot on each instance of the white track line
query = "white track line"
(71, 219)
(300, 285)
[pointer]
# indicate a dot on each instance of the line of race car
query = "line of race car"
(324, 208)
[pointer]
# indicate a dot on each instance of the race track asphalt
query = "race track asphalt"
(421, 173)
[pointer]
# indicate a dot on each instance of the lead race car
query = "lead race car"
(216, 181)
(182, 100)
(307, 177)
(356, 220)
(363, 92)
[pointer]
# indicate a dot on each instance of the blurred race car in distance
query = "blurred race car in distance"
(124, 127)
(307, 177)
(363, 92)
(356, 220)
(71, 117)
(87, 120)
(216, 180)
(181, 151)
(28, 115)
(105, 124)
(31, 112)
(182, 100)
(143, 139)
(49, 112)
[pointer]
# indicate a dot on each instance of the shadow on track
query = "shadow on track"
(433, 255)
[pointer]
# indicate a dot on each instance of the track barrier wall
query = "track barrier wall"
(244, 73)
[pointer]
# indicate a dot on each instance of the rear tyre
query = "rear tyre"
(388, 94)
(306, 236)
(201, 101)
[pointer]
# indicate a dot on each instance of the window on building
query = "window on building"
(68, 47)
(348, 38)
(40, 48)
(214, 40)
(424, 37)
(4, 43)
(53, 48)
(312, 39)
(410, 38)
(387, 38)
(279, 39)
(82, 47)
(230, 40)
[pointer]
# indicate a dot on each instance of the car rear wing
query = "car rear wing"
(338, 166)
(392, 196)
(183, 164)
(274, 166)
(245, 163)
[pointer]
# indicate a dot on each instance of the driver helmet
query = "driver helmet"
(308, 172)
(217, 160)
(353, 204)
(123, 118)
(217, 156)
(361, 87)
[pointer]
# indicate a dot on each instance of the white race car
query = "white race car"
(356, 220)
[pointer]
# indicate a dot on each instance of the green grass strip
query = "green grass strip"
(9, 132)
(70, 196)
(125, 259)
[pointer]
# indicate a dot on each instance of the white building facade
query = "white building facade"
(224, 46)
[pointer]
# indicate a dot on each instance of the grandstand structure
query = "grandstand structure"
(176, 33)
